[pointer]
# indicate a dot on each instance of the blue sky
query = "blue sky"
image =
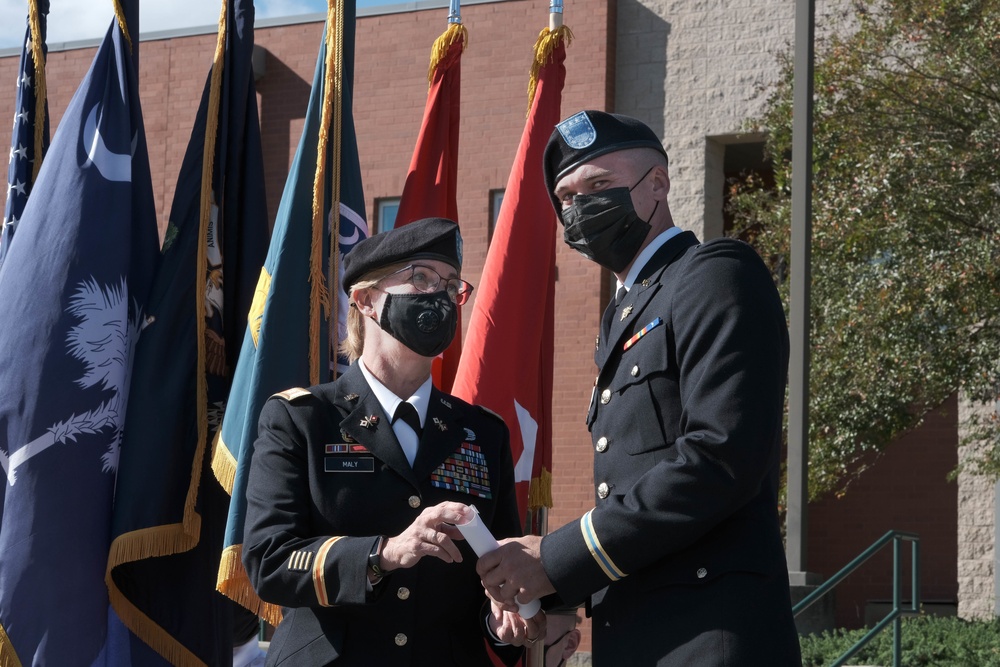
(71, 20)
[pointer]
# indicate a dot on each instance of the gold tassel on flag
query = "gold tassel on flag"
(455, 32)
(548, 39)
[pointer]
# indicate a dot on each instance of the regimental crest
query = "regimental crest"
(577, 131)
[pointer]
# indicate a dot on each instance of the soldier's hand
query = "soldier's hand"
(515, 571)
(510, 628)
(431, 534)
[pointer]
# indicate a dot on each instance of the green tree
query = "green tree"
(906, 231)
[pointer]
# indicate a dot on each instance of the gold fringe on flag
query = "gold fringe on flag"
(41, 92)
(338, 128)
(177, 538)
(540, 491)
(455, 32)
(8, 657)
(546, 43)
(223, 463)
(120, 15)
(319, 293)
(234, 583)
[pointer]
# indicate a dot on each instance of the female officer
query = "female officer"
(355, 485)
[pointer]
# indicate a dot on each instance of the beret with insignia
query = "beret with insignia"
(590, 134)
(429, 238)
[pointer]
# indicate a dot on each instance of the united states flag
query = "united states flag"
(23, 151)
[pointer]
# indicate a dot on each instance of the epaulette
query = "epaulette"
(292, 394)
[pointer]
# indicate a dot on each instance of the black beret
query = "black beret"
(429, 238)
(589, 134)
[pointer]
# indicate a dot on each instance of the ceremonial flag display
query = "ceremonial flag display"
(169, 513)
(74, 288)
(30, 137)
(431, 184)
(506, 362)
(288, 341)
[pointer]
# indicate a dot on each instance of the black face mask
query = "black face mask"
(605, 228)
(425, 323)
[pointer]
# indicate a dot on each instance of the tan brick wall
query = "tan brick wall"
(976, 534)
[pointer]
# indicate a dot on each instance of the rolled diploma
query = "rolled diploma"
(482, 542)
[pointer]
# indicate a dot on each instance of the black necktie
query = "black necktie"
(408, 414)
(622, 291)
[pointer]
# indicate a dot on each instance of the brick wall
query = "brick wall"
(906, 489)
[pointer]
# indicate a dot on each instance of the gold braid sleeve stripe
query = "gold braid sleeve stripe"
(319, 572)
(597, 551)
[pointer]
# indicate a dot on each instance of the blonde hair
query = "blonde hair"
(354, 344)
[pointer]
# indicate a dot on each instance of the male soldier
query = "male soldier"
(681, 560)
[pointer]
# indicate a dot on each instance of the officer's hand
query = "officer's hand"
(515, 570)
(431, 534)
(512, 629)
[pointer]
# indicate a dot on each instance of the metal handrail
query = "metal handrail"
(894, 616)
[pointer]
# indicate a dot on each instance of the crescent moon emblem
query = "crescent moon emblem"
(112, 166)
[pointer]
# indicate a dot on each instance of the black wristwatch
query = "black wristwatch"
(374, 556)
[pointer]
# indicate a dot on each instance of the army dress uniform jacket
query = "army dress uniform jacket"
(327, 477)
(681, 559)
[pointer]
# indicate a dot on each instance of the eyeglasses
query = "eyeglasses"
(427, 280)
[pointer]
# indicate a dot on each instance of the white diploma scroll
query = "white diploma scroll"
(482, 542)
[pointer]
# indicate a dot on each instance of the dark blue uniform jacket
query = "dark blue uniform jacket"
(681, 559)
(327, 477)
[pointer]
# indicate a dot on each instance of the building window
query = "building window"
(496, 199)
(386, 209)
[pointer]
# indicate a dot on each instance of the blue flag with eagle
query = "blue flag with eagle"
(169, 513)
(288, 341)
(74, 289)
(29, 139)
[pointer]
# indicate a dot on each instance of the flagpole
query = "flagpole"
(539, 517)
(455, 12)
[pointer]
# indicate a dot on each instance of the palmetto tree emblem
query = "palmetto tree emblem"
(104, 339)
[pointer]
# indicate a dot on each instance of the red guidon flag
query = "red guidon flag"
(430, 188)
(506, 362)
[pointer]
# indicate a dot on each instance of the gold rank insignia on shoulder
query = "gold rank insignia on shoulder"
(292, 394)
